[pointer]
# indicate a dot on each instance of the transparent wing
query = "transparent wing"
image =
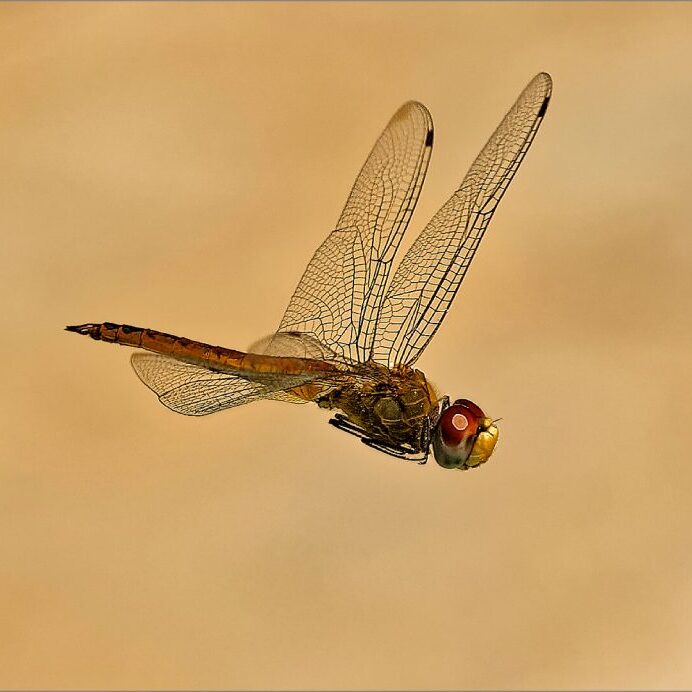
(196, 391)
(339, 295)
(430, 273)
(292, 344)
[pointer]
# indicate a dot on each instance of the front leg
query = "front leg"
(442, 405)
(425, 435)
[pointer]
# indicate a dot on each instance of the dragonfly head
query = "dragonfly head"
(464, 436)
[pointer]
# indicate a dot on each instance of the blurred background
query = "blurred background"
(175, 166)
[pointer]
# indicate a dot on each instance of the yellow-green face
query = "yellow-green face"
(484, 445)
(464, 436)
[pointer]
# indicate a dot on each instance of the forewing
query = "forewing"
(430, 273)
(339, 295)
(196, 391)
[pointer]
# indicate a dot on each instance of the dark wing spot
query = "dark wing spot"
(429, 139)
(544, 107)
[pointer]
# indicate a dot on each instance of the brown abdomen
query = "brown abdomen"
(198, 353)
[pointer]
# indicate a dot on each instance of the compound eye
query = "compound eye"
(475, 409)
(459, 422)
(464, 437)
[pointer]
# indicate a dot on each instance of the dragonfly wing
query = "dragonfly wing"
(292, 344)
(430, 273)
(196, 391)
(339, 296)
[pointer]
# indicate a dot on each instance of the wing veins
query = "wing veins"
(437, 262)
(339, 296)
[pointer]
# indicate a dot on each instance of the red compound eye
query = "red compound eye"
(474, 408)
(459, 422)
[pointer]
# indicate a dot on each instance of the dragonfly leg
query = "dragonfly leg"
(341, 422)
(397, 451)
(425, 435)
(442, 404)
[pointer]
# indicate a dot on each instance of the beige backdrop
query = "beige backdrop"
(175, 166)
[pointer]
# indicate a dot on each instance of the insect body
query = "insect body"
(351, 334)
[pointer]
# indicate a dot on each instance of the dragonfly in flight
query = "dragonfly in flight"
(350, 336)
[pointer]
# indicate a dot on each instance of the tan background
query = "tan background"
(175, 166)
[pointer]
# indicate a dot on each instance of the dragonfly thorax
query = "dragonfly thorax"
(391, 406)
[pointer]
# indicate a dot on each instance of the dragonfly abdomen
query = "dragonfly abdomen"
(198, 353)
(112, 333)
(158, 342)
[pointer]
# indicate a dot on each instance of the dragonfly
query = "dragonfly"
(351, 334)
